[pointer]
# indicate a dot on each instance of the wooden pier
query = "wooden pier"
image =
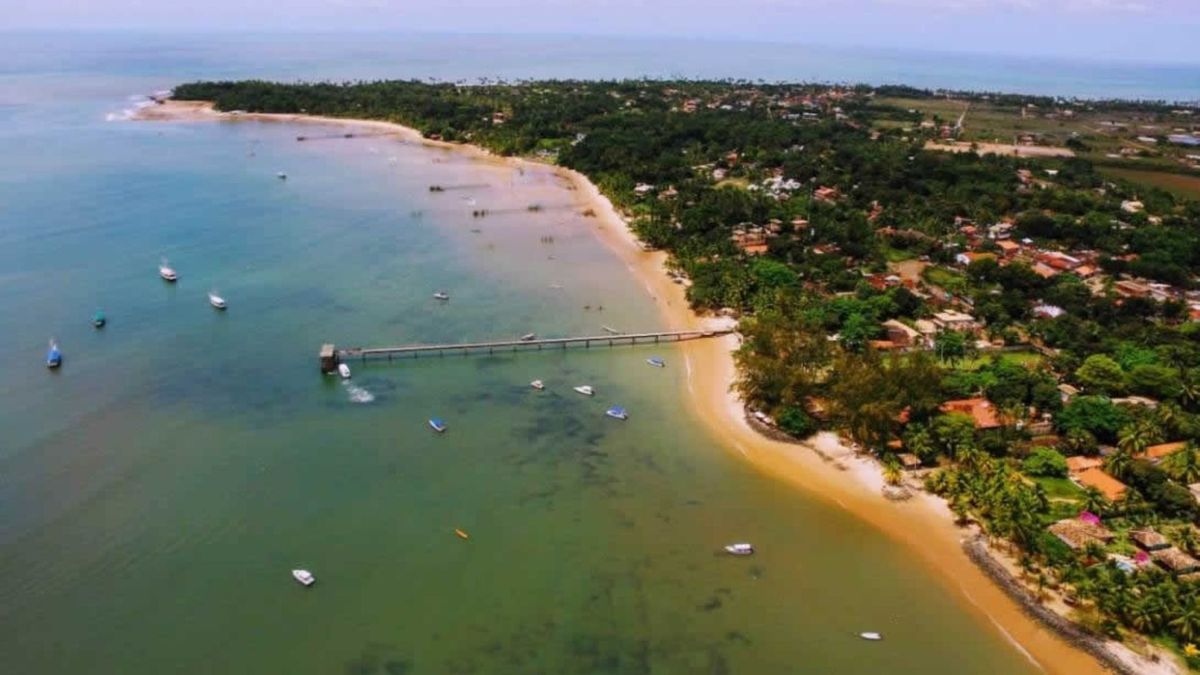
(331, 356)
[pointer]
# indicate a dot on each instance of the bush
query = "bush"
(1045, 462)
(796, 422)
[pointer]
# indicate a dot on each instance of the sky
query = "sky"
(1166, 31)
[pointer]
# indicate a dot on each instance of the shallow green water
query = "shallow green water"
(155, 492)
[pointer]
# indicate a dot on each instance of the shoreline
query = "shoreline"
(821, 466)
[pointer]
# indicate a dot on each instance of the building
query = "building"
(901, 334)
(1081, 463)
(1132, 206)
(979, 409)
(954, 320)
(1157, 453)
(1112, 489)
(1008, 248)
(1175, 561)
(1078, 533)
(1149, 540)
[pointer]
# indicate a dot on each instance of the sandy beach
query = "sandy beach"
(823, 467)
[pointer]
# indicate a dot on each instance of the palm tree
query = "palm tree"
(1119, 462)
(1146, 614)
(1136, 437)
(1187, 538)
(1094, 500)
(1187, 624)
(892, 475)
(1183, 465)
(1081, 441)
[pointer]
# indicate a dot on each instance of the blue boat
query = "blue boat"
(437, 424)
(98, 320)
(617, 413)
(656, 362)
(54, 356)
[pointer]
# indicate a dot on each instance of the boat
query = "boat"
(528, 337)
(610, 330)
(53, 356)
(437, 424)
(305, 577)
(585, 389)
(216, 300)
(344, 371)
(617, 412)
(656, 362)
(98, 320)
(167, 272)
(870, 636)
(538, 384)
(740, 549)
(441, 295)
(461, 534)
(281, 175)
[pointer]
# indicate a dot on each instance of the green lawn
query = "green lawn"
(897, 254)
(1025, 358)
(1059, 488)
(940, 276)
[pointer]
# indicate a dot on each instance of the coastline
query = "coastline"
(822, 466)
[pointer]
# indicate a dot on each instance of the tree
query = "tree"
(1183, 465)
(1094, 414)
(950, 346)
(1154, 380)
(1094, 500)
(1187, 624)
(1100, 374)
(1134, 438)
(796, 422)
(1045, 462)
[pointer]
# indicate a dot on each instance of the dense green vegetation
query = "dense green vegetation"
(788, 206)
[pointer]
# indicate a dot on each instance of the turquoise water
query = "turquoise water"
(155, 492)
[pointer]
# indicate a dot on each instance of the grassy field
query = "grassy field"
(1059, 488)
(1024, 358)
(1177, 184)
(940, 276)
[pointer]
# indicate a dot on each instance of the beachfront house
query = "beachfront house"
(980, 410)
(1112, 489)
(1078, 533)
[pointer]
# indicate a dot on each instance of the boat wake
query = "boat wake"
(357, 394)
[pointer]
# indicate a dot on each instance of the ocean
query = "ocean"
(156, 491)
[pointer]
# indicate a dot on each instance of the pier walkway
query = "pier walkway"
(331, 355)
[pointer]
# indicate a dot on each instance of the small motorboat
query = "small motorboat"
(216, 300)
(528, 337)
(656, 362)
(617, 413)
(441, 295)
(585, 389)
(461, 534)
(167, 272)
(304, 577)
(437, 424)
(538, 384)
(870, 636)
(610, 330)
(281, 175)
(344, 371)
(98, 320)
(53, 355)
(740, 549)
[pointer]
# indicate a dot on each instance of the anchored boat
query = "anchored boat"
(304, 577)
(740, 549)
(870, 636)
(98, 320)
(656, 362)
(528, 337)
(441, 295)
(585, 389)
(437, 424)
(538, 384)
(53, 356)
(167, 272)
(344, 371)
(617, 412)
(216, 300)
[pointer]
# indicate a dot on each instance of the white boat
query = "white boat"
(437, 424)
(538, 384)
(740, 549)
(440, 295)
(870, 636)
(656, 362)
(166, 271)
(528, 337)
(610, 330)
(281, 175)
(617, 412)
(344, 371)
(585, 389)
(216, 300)
(305, 577)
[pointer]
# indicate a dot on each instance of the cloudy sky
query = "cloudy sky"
(1149, 30)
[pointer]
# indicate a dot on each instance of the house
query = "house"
(1085, 271)
(1008, 248)
(1067, 392)
(1077, 533)
(927, 328)
(643, 188)
(1194, 488)
(901, 334)
(1157, 453)
(1128, 288)
(979, 409)
(1044, 311)
(1044, 271)
(1081, 463)
(1176, 561)
(954, 320)
(1112, 489)
(1132, 206)
(909, 461)
(826, 194)
(1149, 540)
